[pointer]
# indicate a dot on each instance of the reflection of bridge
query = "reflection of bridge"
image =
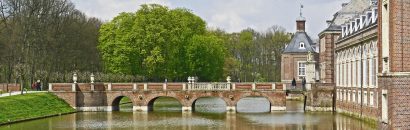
(107, 96)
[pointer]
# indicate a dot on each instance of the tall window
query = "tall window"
(374, 71)
(302, 69)
(365, 73)
(371, 102)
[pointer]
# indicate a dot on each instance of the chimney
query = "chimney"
(300, 24)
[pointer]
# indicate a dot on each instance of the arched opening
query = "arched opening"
(209, 105)
(122, 103)
(252, 104)
(164, 104)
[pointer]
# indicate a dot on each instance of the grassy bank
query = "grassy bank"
(31, 106)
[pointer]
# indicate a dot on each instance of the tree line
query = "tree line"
(47, 40)
(50, 40)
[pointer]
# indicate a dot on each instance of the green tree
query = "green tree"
(206, 57)
(153, 42)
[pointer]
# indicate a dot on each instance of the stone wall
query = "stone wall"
(320, 97)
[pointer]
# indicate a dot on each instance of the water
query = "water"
(209, 114)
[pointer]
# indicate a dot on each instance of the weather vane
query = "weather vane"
(301, 7)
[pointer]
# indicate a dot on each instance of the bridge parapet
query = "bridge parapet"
(166, 87)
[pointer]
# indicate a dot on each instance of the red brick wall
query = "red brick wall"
(398, 100)
(400, 35)
(10, 87)
(360, 108)
(326, 57)
(289, 66)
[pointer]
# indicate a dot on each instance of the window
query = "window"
(354, 96)
(301, 45)
(301, 69)
(359, 97)
(371, 102)
(365, 98)
(338, 94)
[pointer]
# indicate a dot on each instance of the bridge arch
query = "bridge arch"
(223, 99)
(115, 103)
(254, 94)
(151, 100)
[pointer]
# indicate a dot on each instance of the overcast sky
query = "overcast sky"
(230, 15)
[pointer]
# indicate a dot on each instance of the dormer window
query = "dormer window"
(301, 45)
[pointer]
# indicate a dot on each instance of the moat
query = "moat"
(253, 113)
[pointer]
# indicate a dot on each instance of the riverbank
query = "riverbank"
(31, 106)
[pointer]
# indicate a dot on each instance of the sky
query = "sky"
(230, 15)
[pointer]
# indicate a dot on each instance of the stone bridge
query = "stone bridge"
(107, 96)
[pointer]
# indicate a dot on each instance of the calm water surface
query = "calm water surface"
(253, 114)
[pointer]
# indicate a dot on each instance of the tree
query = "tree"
(206, 57)
(154, 42)
(45, 37)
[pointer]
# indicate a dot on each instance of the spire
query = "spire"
(300, 22)
(301, 18)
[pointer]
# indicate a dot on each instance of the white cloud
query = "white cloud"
(108, 9)
(230, 15)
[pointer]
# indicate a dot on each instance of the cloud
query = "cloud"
(108, 9)
(230, 15)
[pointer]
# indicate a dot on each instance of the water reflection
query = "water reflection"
(209, 105)
(253, 105)
(194, 121)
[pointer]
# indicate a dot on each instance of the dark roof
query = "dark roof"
(293, 46)
(334, 28)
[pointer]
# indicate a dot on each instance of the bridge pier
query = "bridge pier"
(231, 109)
(186, 109)
(277, 108)
(140, 108)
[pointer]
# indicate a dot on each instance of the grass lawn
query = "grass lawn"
(30, 106)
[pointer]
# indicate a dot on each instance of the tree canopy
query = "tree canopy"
(160, 43)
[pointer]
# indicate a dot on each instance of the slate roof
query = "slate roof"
(348, 11)
(293, 46)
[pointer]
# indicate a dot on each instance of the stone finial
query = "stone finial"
(75, 77)
(92, 78)
(228, 79)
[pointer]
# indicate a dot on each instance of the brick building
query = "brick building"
(365, 53)
(295, 55)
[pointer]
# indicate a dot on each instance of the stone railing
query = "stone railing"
(166, 87)
(209, 86)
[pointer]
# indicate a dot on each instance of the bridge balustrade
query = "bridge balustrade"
(166, 86)
(209, 86)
